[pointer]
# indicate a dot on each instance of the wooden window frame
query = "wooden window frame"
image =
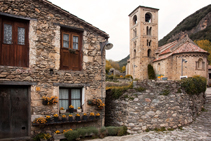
(69, 100)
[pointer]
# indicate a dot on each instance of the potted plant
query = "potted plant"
(50, 100)
(62, 110)
(91, 116)
(56, 117)
(64, 118)
(100, 104)
(84, 116)
(70, 118)
(45, 137)
(97, 116)
(79, 110)
(57, 132)
(71, 108)
(40, 120)
(48, 119)
(77, 118)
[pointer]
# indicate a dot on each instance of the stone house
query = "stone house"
(47, 51)
(179, 58)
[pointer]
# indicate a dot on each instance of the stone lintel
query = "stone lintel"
(18, 17)
(70, 27)
(71, 85)
(25, 83)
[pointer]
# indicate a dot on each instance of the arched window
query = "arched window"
(149, 29)
(200, 65)
(149, 53)
(134, 20)
(149, 42)
(148, 17)
(134, 53)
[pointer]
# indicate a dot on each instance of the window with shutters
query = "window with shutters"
(71, 55)
(14, 48)
(70, 96)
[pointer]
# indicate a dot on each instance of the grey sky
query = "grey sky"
(111, 16)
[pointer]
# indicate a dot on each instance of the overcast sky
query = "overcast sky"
(111, 16)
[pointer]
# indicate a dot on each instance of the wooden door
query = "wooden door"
(14, 49)
(70, 60)
(14, 113)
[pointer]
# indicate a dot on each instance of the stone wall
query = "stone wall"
(149, 109)
(44, 54)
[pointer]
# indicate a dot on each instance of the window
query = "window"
(149, 29)
(149, 53)
(71, 96)
(148, 17)
(200, 65)
(134, 53)
(134, 20)
(14, 49)
(149, 43)
(134, 32)
(71, 55)
(209, 75)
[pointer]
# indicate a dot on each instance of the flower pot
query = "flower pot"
(79, 110)
(77, 118)
(45, 102)
(64, 119)
(56, 119)
(97, 117)
(70, 119)
(71, 110)
(84, 118)
(48, 120)
(62, 111)
(91, 117)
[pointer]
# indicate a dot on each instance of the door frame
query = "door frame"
(28, 86)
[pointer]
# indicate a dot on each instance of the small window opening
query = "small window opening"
(149, 43)
(134, 20)
(134, 32)
(149, 29)
(149, 53)
(148, 17)
(134, 53)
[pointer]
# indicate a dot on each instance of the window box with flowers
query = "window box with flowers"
(78, 118)
(71, 108)
(56, 117)
(70, 118)
(62, 110)
(50, 100)
(98, 102)
(48, 119)
(40, 120)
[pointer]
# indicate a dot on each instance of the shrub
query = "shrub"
(110, 77)
(71, 135)
(122, 131)
(112, 130)
(151, 72)
(164, 92)
(194, 85)
(82, 132)
(140, 89)
(119, 90)
(129, 76)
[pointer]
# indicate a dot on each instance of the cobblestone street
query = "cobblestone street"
(199, 130)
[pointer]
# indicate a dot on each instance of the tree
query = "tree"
(123, 69)
(151, 72)
(206, 45)
(108, 66)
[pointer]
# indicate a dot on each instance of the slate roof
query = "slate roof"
(104, 34)
(185, 45)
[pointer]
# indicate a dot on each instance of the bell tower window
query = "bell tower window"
(148, 17)
(134, 20)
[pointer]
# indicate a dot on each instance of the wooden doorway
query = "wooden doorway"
(14, 112)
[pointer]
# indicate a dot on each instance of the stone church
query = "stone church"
(173, 60)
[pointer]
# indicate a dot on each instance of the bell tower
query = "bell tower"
(143, 40)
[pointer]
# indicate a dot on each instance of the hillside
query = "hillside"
(197, 26)
(123, 62)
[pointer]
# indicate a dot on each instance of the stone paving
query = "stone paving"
(199, 130)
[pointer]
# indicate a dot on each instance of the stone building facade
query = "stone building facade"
(47, 51)
(167, 59)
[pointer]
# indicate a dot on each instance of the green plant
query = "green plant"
(131, 98)
(194, 85)
(180, 128)
(164, 92)
(112, 130)
(41, 136)
(71, 135)
(151, 72)
(82, 132)
(140, 89)
(203, 109)
(122, 131)
(147, 130)
(179, 91)
(129, 76)
(126, 96)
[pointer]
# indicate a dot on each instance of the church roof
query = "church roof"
(68, 14)
(185, 45)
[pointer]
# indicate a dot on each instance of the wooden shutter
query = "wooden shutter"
(0, 40)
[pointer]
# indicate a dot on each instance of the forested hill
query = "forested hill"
(123, 62)
(197, 26)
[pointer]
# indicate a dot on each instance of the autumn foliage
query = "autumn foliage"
(206, 45)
